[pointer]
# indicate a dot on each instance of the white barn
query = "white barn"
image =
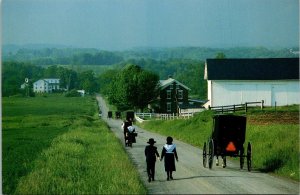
(46, 85)
(237, 81)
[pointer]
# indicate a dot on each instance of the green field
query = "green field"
(57, 145)
(274, 136)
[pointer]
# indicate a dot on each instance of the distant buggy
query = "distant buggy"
(227, 139)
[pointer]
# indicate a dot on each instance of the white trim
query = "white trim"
(169, 148)
(170, 81)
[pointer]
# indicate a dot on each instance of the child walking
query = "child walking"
(169, 152)
(151, 154)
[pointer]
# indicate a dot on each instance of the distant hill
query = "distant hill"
(202, 53)
(43, 54)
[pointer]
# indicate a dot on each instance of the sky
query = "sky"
(125, 24)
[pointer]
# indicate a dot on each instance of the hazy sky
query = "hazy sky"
(122, 24)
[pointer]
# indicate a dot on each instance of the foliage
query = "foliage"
(274, 136)
(133, 88)
(88, 82)
(14, 73)
(71, 56)
(185, 64)
(188, 72)
(105, 80)
(56, 145)
(73, 93)
(220, 55)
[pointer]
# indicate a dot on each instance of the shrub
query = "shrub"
(73, 93)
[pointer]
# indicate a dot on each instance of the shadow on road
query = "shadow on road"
(213, 176)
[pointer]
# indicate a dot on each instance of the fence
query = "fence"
(236, 107)
(141, 116)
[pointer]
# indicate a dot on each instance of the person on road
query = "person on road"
(125, 126)
(151, 153)
(131, 135)
(169, 152)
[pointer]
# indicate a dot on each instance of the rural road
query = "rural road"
(190, 176)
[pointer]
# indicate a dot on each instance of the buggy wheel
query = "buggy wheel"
(249, 156)
(242, 158)
(204, 155)
(211, 153)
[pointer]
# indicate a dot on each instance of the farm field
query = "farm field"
(57, 145)
(274, 136)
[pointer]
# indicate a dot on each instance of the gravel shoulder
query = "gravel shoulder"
(190, 176)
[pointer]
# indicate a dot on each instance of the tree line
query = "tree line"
(86, 56)
(130, 87)
(66, 56)
(14, 74)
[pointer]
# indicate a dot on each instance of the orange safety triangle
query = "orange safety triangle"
(230, 147)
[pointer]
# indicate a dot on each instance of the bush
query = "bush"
(73, 93)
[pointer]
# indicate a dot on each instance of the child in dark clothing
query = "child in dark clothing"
(151, 154)
(170, 154)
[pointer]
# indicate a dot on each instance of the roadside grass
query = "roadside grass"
(274, 136)
(84, 160)
(57, 145)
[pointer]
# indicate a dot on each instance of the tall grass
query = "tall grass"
(57, 145)
(83, 160)
(274, 136)
(276, 148)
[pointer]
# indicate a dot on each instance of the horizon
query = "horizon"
(117, 25)
(37, 46)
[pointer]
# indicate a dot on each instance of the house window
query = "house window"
(169, 106)
(177, 86)
(180, 94)
(168, 94)
(171, 86)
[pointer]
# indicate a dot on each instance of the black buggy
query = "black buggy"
(227, 139)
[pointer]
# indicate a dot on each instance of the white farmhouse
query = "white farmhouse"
(236, 81)
(46, 85)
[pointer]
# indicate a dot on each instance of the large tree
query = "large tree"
(133, 87)
(88, 82)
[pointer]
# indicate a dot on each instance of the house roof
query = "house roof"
(252, 69)
(169, 81)
(48, 80)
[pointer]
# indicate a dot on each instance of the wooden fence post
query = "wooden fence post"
(246, 107)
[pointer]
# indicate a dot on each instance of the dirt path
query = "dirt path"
(191, 177)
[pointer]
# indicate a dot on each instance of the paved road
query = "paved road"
(191, 177)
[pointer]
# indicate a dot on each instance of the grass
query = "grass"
(57, 145)
(274, 136)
